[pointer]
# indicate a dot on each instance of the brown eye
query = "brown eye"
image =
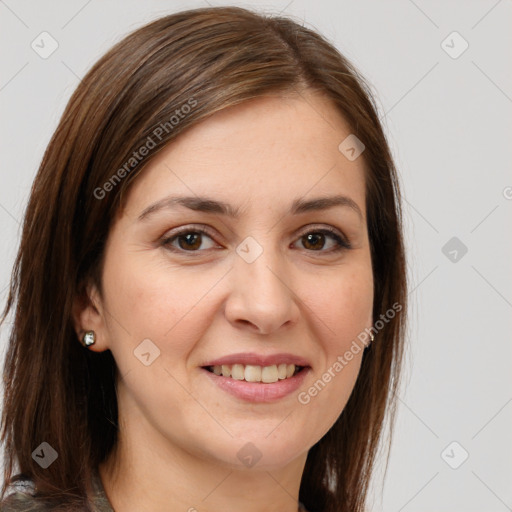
(191, 241)
(188, 240)
(316, 240)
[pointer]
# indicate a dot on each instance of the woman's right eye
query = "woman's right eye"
(188, 240)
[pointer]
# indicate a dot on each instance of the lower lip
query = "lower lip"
(257, 391)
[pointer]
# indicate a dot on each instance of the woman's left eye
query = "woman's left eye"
(190, 240)
(318, 236)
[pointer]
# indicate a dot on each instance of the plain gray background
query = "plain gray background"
(447, 113)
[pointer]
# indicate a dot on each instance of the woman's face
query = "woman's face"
(266, 287)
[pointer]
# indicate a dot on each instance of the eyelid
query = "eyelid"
(190, 228)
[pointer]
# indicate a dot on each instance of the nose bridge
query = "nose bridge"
(261, 293)
(260, 265)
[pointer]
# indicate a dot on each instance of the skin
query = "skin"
(179, 433)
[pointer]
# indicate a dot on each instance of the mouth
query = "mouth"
(255, 373)
(253, 377)
(257, 379)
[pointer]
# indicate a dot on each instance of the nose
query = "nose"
(262, 296)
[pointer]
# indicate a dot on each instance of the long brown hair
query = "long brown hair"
(58, 392)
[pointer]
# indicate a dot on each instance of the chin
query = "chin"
(260, 452)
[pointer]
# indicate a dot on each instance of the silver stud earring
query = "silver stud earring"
(372, 337)
(89, 338)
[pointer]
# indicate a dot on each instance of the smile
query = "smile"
(255, 373)
(257, 391)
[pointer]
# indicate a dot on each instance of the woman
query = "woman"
(217, 221)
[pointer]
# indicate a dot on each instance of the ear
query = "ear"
(88, 315)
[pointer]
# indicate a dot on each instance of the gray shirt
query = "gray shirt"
(22, 501)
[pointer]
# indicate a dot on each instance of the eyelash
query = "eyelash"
(342, 244)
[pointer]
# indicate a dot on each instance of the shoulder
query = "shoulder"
(22, 499)
(22, 502)
(25, 501)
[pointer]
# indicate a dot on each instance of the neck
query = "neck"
(164, 477)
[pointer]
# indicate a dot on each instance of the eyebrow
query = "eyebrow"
(209, 205)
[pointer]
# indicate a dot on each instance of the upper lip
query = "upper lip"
(258, 360)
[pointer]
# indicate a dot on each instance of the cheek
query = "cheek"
(343, 306)
(343, 309)
(165, 305)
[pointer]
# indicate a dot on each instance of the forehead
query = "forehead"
(259, 153)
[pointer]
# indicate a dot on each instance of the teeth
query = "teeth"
(237, 372)
(254, 373)
(269, 374)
